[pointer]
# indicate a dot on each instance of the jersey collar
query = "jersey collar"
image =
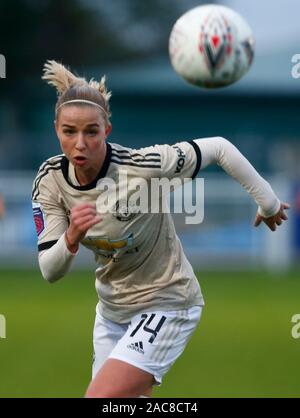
(101, 174)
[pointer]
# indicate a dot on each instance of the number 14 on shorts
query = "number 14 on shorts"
(147, 324)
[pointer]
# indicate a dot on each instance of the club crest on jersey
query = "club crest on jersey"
(38, 217)
(124, 211)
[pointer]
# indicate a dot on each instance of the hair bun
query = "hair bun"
(63, 80)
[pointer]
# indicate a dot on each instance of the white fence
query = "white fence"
(226, 238)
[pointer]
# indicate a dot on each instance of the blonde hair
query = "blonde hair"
(73, 89)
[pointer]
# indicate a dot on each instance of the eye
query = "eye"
(68, 132)
(92, 132)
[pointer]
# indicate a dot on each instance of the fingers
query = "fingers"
(84, 209)
(80, 222)
(83, 213)
(84, 205)
(271, 224)
(283, 215)
(83, 217)
(88, 224)
(258, 220)
(273, 221)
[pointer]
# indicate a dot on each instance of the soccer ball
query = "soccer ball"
(211, 46)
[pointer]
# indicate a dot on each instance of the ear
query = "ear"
(108, 130)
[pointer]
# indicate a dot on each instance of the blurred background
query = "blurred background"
(250, 277)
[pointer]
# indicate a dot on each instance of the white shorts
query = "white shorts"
(152, 341)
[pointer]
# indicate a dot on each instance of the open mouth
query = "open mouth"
(80, 159)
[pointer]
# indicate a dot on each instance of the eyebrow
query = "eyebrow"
(73, 126)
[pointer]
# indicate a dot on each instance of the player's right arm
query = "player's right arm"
(56, 261)
(83, 217)
(58, 236)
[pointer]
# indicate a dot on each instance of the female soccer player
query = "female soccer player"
(150, 300)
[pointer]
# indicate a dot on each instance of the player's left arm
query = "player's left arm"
(218, 150)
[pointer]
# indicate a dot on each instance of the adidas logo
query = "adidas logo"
(137, 347)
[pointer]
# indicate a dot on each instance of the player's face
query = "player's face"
(82, 132)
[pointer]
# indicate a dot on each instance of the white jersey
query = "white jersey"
(141, 261)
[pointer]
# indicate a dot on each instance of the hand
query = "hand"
(274, 220)
(83, 217)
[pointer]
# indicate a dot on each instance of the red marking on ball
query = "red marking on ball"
(216, 40)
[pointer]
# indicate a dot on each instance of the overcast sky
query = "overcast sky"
(275, 23)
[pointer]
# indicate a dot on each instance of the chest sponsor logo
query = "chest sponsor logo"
(108, 247)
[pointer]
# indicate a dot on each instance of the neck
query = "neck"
(88, 175)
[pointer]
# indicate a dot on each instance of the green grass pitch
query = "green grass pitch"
(242, 348)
